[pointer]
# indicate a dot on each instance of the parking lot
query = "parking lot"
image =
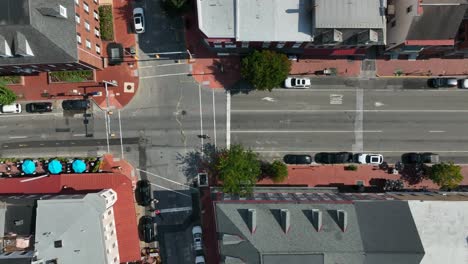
(388, 122)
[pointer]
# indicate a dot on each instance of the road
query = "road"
(390, 122)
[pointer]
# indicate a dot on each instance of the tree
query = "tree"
(265, 69)
(175, 7)
(238, 169)
(446, 175)
(7, 96)
(278, 171)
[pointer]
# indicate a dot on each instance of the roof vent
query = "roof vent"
(368, 37)
(5, 50)
(332, 37)
(21, 45)
(285, 217)
(60, 12)
(252, 220)
(317, 219)
(342, 219)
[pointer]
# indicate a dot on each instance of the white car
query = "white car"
(296, 82)
(463, 83)
(200, 260)
(376, 159)
(11, 109)
(139, 20)
(197, 237)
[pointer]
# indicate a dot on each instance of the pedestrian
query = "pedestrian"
(158, 213)
(204, 136)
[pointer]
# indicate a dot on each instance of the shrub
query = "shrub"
(278, 171)
(13, 79)
(351, 167)
(446, 175)
(71, 76)
(106, 21)
(7, 96)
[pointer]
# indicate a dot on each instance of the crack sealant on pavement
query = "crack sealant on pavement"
(358, 146)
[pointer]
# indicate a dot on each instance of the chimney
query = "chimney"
(317, 219)
(342, 219)
(252, 220)
(285, 217)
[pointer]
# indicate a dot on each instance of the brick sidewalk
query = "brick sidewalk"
(125, 74)
(423, 68)
(336, 175)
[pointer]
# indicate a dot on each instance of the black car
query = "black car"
(442, 82)
(297, 159)
(146, 227)
(40, 107)
(143, 192)
(419, 158)
(76, 104)
(334, 158)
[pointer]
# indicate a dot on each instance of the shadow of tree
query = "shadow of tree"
(241, 86)
(199, 160)
(414, 173)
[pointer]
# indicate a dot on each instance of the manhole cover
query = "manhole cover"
(183, 112)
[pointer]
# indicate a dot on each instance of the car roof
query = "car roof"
(196, 229)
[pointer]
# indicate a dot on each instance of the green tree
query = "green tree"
(446, 175)
(7, 96)
(238, 169)
(265, 69)
(175, 7)
(278, 171)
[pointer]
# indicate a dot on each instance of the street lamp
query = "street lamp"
(106, 114)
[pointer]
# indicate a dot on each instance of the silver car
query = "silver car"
(139, 20)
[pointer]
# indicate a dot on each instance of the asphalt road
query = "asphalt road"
(390, 122)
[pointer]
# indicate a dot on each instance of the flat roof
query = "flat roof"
(216, 18)
(349, 14)
(442, 228)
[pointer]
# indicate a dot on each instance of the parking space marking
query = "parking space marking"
(345, 110)
(17, 137)
(30, 115)
(436, 131)
(79, 135)
(306, 131)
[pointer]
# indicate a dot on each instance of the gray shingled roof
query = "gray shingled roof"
(377, 232)
(52, 39)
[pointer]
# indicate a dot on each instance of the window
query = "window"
(115, 260)
(77, 2)
(86, 7)
(58, 243)
(113, 245)
(109, 212)
(77, 18)
(34, 66)
(96, 15)
(78, 38)
(63, 11)
(88, 44)
(245, 44)
(266, 44)
(409, 9)
(96, 32)
(280, 45)
(86, 25)
(69, 65)
(51, 65)
(393, 23)
(297, 45)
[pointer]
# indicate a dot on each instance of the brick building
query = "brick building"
(49, 35)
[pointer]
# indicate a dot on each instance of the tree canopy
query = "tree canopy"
(7, 96)
(239, 169)
(175, 7)
(278, 171)
(446, 175)
(265, 69)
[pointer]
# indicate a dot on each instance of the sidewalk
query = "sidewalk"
(422, 68)
(125, 74)
(336, 175)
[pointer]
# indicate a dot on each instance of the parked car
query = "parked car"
(143, 192)
(418, 158)
(39, 107)
(82, 104)
(139, 20)
(334, 158)
(11, 109)
(376, 159)
(147, 229)
(463, 83)
(442, 82)
(297, 159)
(294, 82)
(199, 260)
(197, 237)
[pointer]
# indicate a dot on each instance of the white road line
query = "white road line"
(344, 110)
(164, 75)
(358, 145)
(436, 131)
(183, 194)
(161, 65)
(365, 150)
(30, 115)
(305, 131)
(177, 209)
(164, 178)
(17, 137)
(214, 118)
(79, 135)
(228, 119)
(201, 118)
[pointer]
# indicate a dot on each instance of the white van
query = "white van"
(11, 109)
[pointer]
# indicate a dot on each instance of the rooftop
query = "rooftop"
(124, 209)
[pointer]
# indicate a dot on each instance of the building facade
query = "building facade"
(49, 35)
